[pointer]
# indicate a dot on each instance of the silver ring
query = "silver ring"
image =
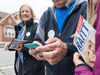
(38, 55)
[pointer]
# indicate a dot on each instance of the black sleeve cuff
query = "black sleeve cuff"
(81, 65)
(24, 49)
(11, 49)
(71, 49)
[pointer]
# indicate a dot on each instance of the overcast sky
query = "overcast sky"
(38, 6)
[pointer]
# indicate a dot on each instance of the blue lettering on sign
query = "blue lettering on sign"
(80, 41)
(82, 32)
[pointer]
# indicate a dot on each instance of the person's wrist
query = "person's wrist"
(81, 64)
(78, 62)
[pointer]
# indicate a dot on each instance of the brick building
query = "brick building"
(7, 23)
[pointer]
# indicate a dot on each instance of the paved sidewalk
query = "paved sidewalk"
(1, 73)
(7, 62)
(7, 71)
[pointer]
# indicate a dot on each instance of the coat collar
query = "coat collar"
(28, 23)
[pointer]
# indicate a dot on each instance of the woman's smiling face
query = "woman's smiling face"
(26, 13)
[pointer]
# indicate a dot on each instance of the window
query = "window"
(9, 20)
(9, 31)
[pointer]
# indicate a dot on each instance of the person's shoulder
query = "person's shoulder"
(80, 2)
(49, 9)
(84, 3)
(46, 13)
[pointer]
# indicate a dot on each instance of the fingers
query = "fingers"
(54, 60)
(53, 51)
(34, 54)
(45, 48)
(50, 47)
(38, 58)
(50, 55)
(19, 47)
(76, 59)
(53, 46)
(54, 56)
(37, 43)
(51, 40)
(6, 47)
(76, 55)
(72, 36)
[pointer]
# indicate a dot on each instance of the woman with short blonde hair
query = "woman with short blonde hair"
(25, 64)
(32, 13)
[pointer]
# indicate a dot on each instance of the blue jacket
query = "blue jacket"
(48, 22)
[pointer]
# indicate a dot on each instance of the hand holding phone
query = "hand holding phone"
(32, 46)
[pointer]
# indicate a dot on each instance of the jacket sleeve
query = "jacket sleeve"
(71, 49)
(42, 26)
(84, 70)
(24, 49)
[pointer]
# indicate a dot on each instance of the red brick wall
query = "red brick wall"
(16, 17)
(7, 24)
(0, 33)
(7, 38)
(7, 19)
